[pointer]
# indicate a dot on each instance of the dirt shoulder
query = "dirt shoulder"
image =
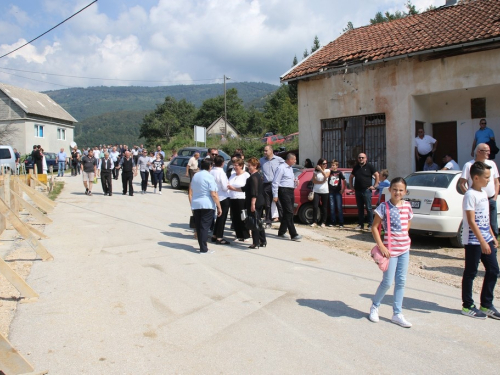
(430, 258)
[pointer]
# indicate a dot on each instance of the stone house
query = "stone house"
(37, 118)
(374, 86)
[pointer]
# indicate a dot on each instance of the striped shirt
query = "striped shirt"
(400, 217)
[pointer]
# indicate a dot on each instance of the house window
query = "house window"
(61, 134)
(478, 108)
(38, 131)
(345, 137)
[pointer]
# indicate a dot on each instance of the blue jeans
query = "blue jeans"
(493, 216)
(336, 205)
(473, 255)
(397, 270)
(60, 169)
(364, 198)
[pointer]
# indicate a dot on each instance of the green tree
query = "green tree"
(295, 61)
(305, 54)
(281, 114)
(257, 123)
(349, 27)
(388, 16)
(316, 46)
(166, 120)
(213, 108)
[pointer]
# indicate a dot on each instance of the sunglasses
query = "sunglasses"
(215, 154)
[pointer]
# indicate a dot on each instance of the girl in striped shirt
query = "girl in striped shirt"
(400, 216)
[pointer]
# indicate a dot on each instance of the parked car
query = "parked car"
(50, 158)
(291, 137)
(436, 200)
(189, 151)
(176, 171)
(273, 139)
(8, 158)
(304, 207)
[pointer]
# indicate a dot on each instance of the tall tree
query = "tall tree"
(281, 114)
(349, 27)
(305, 54)
(388, 16)
(295, 61)
(316, 46)
(213, 108)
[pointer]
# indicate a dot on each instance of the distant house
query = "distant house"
(38, 119)
(218, 127)
(374, 86)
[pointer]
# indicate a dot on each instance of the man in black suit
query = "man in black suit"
(36, 156)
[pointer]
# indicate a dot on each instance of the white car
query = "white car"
(436, 200)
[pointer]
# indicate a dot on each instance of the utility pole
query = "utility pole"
(225, 110)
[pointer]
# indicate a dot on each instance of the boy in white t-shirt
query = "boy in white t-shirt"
(480, 245)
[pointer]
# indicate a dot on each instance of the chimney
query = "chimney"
(450, 2)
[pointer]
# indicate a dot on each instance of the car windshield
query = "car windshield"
(437, 180)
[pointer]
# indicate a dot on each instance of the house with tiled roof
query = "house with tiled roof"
(37, 118)
(371, 89)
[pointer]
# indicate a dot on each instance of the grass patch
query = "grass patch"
(58, 186)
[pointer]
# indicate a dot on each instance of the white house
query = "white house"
(374, 86)
(221, 127)
(37, 118)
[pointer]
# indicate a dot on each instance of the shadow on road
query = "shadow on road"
(178, 246)
(417, 305)
(334, 309)
(428, 254)
(179, 235)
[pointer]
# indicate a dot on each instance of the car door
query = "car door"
(184, 180)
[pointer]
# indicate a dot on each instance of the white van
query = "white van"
(8, 158)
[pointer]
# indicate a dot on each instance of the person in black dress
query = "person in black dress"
(254, 200)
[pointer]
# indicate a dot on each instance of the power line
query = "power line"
(39, 36)
(108, 79)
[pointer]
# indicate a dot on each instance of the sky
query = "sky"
(169, 42)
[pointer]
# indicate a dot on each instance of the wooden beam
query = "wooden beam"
(25, 232)
(39, 199)
(11, 361)
(35, 212)
(17, 281)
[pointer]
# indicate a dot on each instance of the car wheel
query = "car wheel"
(457, 240)
(306, 213)
(175, 182)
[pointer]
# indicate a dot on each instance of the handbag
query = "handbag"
(192, 224)
(310, 196)
(253, 223)
(377, 256)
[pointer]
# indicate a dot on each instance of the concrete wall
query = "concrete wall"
(402, 90)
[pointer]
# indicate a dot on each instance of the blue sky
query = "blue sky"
(164, 42)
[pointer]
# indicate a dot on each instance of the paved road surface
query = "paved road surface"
(128, 293)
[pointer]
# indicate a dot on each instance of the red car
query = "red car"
(304, 207)
(273, 139)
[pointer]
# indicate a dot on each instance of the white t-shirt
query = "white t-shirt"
(490, 188)
(424, 145)
(476, 201)
(452, 165)
(237, 182)
(321, 188)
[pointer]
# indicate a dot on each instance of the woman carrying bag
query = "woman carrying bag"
(254, 201)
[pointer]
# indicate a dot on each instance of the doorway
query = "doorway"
(446, 135)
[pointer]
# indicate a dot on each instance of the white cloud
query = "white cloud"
(180, 41)
(19, 15)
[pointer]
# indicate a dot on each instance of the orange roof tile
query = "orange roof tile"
(442, 27)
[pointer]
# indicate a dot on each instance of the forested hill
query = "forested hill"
(83, 103)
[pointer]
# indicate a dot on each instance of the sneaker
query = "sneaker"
(341, 226)
(400, 320)
(269, 226)
(369, 228)
(359, 227)
(491, 312)
(154, 192)
(313, 225)
(373, 314)
(298, 237)
(160, 192)
(323, 226)
(473, 312)
(284, 235)
(207, 252)
(330, 225)
(90, 193)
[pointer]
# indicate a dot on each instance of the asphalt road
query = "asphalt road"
(128, 293)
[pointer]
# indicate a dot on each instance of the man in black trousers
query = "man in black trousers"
(106, 167)
(128, 172)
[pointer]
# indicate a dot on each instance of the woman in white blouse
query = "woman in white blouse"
(237, 180)
(320, 180)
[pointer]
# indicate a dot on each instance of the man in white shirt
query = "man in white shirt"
(482, 153)
(425, 146)
(192, 166)
(450, 164)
